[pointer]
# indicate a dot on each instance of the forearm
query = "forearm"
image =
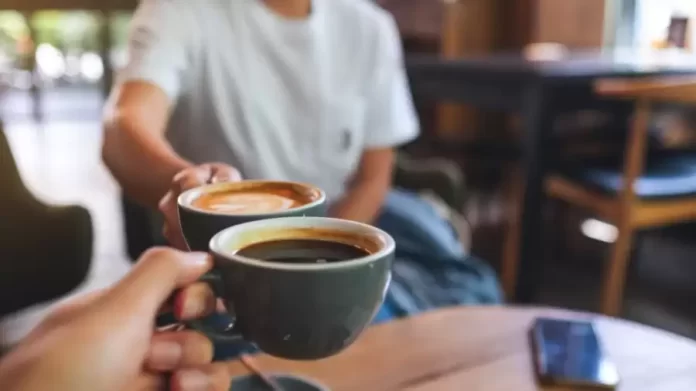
(362, 203)
(143, 164)
(370, 185)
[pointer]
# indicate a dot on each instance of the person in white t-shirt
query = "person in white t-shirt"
(303, 90)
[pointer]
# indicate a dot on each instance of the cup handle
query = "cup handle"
(224, 334)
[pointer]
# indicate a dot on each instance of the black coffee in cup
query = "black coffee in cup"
(303, 251)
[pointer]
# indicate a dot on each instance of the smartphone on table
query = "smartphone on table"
(569, 353)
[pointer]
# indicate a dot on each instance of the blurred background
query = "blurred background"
(58, 60)
(66, 49)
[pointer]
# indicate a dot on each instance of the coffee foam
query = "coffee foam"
(249, 203)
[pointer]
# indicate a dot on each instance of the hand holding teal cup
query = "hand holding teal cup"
(290, 310)
(201, 217)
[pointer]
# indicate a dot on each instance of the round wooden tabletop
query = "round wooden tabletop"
(487, 349)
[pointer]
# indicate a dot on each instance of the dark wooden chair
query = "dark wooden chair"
(644, 188)
(45, 251)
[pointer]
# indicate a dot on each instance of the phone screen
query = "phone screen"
(569, 353)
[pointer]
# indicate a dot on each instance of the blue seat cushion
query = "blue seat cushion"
(667, 174)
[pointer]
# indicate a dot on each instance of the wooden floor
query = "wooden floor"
(60, 162)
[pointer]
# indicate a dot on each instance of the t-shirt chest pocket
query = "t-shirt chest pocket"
(342, 133)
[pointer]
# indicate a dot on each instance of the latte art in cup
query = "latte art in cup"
(245, 203)
(255, 198)
(206, 210)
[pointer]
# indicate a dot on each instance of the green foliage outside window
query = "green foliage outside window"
(65, 30)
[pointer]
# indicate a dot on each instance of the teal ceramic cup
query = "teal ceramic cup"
(199, 225)
(299, 311)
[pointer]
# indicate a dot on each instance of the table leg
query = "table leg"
(538, 117)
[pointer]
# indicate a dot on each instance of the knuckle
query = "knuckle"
(162, 255)
(197, 342)
(195, 293)
(181, 175)
(163, 205)
(228, 169)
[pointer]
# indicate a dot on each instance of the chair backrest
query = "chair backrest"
(417, 19)
(646, 92)
(139, 230)
(45, 251)
(12, 186)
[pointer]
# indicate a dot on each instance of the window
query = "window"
(653, 19)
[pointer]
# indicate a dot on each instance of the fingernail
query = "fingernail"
(197, 259)
(186, 307)
(193, 380)
(221, 178)
(165, 355)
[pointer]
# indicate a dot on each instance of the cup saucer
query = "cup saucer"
(287, 381)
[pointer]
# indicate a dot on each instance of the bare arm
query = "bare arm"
(134, 148)
(371, 183)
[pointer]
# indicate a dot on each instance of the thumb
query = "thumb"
(224, 173)
(158, 273)
(172, 229)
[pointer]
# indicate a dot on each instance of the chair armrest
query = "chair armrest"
(441, 176)
(664, 89)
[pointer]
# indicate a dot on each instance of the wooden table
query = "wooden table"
(538, 91)
(468, 349)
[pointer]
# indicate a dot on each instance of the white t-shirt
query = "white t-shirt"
(277, 98)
